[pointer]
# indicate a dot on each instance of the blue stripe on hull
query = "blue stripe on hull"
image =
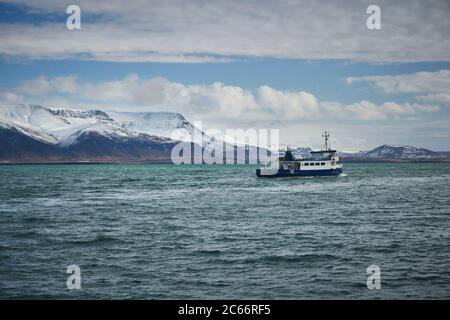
(302, 173)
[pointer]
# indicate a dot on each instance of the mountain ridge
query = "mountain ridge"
(396, 153)
(41, 134)
(34, 133)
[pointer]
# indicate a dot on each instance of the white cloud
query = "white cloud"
(436, 85)
(300, 115)
(366, 110)
(214, 31)
(42, 85)
(215, 102)
(288, 104)
(442, 98)
(153, 57)
(433, 82)
(10, 98)
(369, 111)
(64, 84)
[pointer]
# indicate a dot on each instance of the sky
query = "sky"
(300, 66)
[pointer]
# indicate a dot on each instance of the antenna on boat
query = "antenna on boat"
(326, 135)
(288, 154)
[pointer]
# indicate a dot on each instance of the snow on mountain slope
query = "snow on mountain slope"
(31, 120)
(163, 124)
(56, 126)
(64, 126)
(400, 152)
(301, 152)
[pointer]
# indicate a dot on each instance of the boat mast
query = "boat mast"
(326, 135)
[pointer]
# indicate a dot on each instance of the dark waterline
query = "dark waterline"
(165, 231)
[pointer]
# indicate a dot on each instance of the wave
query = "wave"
(311, 257)
(26, 235)
(95, 241)
(34, 220)
(208, 251)
(300, 258)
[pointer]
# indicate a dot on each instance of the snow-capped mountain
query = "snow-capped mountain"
(298, 152)
(389, 152)
(399, 152)
(303, 152)
(64, 127)
(37, 133)
(163, 124)
(32, 133)
(382, 152)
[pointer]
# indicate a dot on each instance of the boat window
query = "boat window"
(322, 164)
(306, 163)
(317, 163)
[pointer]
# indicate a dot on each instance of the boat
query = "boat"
(320, 163)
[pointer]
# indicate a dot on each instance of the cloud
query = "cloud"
(441, 98)
(419, 82)
(436, 85)
(288, 104)
(217, 31)
(42, 85)
(366, 110)
(154, 57)
(369, 111)
(10, 98)
(216, 102)
(299, 115)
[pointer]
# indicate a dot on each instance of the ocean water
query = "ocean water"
(213, 232)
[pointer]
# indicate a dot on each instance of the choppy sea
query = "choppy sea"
(219, 232)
